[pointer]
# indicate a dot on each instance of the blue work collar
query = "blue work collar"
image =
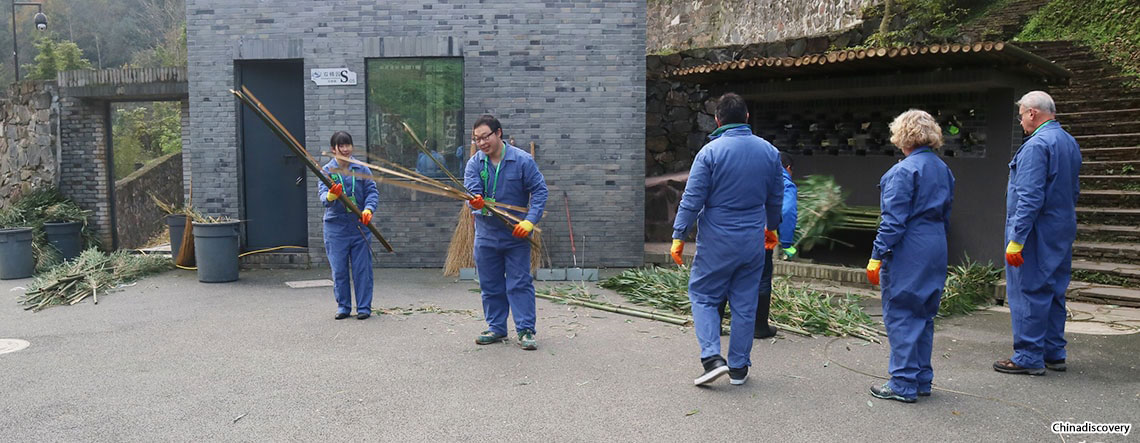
(733, 127)
(920, 150)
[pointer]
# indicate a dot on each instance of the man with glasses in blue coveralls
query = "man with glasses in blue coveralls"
(503, 173)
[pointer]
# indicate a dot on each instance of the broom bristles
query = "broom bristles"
(461, 251)
(186, 251)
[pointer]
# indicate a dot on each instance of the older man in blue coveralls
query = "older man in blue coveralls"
(1040, 227)
(734, 190)
(910, 251)
(346, 238)
(503, 173)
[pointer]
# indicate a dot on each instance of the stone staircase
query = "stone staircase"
(1001, 24)
(1104, 116)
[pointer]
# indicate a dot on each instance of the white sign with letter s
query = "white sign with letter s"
(333, 76)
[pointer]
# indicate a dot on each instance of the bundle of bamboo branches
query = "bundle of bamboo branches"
(794, 309)
(820, 210)
(89, 275)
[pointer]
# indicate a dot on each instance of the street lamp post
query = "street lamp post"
(41, 24)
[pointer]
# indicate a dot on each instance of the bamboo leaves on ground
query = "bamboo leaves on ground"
(89, 274)
(969, 286)
(794, 308)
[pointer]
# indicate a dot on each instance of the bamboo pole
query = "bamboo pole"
(667, 318)
(247, 98)
(423, 148)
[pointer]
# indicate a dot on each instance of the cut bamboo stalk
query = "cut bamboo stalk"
(618, 310)
(251, 101)
(424, 149)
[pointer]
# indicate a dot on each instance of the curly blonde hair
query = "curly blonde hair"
(915, 128)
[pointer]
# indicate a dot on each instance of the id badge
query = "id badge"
(484, 210)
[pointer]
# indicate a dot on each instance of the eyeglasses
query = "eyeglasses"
(1021, 115)
(481, 139)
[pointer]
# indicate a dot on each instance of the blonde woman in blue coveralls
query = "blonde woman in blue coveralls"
(346, 239)
(503, 173)
(910, 253)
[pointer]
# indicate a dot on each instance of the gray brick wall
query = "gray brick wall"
(83, 171)
(567, 75)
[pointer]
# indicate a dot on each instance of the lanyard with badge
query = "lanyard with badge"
(336, 178)
(492, 187)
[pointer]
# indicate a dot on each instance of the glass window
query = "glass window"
(427, 94)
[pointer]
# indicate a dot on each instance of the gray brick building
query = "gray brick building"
(566, 75)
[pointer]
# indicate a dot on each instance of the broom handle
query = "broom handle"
(423, 148)
(570, 226)
(275, 126)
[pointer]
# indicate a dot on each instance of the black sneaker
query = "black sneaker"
(886, 393)
(766, 331)
(341, 315)
(1056, 365)
(363, 315)
(738, 376)
(714, 368)
(923, 393)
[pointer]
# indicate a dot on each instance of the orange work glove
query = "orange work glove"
(366, 216)
(771, 239)
(334, 192)
(1013, 254)
(523, 229)
(873, 270)
(476, 202)
(676, 250)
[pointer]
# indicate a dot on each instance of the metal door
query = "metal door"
(274, 183)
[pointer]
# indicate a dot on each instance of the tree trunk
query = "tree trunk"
(885, 25)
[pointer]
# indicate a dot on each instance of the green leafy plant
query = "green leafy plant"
(969, 286)
(54, 56)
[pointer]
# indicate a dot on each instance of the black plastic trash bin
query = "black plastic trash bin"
(66, 238)
(216, 251)
(16, 258)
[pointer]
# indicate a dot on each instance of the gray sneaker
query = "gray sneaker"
(526, 340)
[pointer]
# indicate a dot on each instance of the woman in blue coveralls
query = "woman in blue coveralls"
(910, 252)
(346, 239)
(503, 173)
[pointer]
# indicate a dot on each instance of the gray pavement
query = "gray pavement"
(172, 359)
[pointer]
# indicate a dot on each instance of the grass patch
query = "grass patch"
(1107, 26)
(1101, 278)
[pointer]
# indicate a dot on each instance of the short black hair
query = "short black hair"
(340, 138)
(490, 121)
(731, 108)
(786, 160)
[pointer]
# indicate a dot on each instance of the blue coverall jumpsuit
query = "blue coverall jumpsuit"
(915, 198)
(503, 261)
(734, 189)
(347, 239)
(1041, 215)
